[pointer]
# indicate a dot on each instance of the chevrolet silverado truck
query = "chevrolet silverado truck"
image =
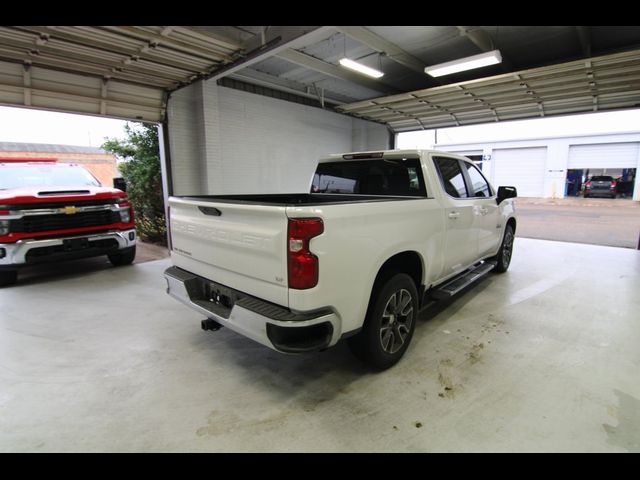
(379, 236)
(56, 212)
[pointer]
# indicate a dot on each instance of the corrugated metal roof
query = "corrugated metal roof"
(127, 71)
(595, 84)
(48, 148)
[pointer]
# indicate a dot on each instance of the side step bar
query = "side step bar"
(465, 279)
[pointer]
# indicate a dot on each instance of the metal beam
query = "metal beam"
(584, 35)
(379, 44)
(293, 37)
(331, 70)
(256, 77)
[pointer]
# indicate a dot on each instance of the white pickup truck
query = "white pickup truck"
(379, 236)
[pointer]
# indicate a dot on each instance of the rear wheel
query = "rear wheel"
(8, 277)
(389, 324)
(506, 249)
(123, 257)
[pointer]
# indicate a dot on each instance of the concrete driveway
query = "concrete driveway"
(542, 358)
(598, 221)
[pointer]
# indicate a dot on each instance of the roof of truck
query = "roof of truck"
(384, 154)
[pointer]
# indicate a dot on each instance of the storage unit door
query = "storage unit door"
(522, 168)
(604, 155)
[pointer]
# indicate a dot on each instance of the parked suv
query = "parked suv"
(55, 212)
(601, 185)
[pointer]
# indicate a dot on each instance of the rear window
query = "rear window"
(45, 175)
(401, 177)
(602, 179)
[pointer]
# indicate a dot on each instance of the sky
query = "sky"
(39, 126)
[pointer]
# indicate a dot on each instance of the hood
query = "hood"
(46, 194)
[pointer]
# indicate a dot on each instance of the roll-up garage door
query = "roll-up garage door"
(522, 168)
(604, 155)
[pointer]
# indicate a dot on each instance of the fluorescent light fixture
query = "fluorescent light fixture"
(360, 68)
(468, 63)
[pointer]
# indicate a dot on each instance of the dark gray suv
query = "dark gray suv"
(601, 185)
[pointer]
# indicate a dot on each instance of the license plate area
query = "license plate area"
(220, 295)
(74, 244)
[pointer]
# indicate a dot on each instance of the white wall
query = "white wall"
(555, 170)
(226, 141)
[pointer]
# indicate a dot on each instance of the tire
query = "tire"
(388, 326)
(123, 257)
(506, 250)
(8, 277)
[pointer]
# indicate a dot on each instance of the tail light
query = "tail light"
(613, 185)
(587, 185)
(302, 264)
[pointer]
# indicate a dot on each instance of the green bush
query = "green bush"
(140, 167)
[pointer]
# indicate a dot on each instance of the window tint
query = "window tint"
(479, 185)
(402, 177)
(451, 176)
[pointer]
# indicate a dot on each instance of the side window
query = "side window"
(479, 185)
(451, 176)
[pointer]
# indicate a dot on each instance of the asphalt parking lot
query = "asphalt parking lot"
(597, 221)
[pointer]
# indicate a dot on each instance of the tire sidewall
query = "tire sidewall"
(371, 331)
(501, 266)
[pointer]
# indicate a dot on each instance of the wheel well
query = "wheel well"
(512, 222)
(405, 262)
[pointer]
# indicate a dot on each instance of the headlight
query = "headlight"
(125, 215)
(4, 227)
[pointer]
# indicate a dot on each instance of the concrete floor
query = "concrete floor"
(542, 358)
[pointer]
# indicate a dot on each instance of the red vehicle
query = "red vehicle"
(56, 212)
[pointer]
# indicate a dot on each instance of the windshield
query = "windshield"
(45, 176)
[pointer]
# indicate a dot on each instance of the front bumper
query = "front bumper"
(33, 251)
(271, 325)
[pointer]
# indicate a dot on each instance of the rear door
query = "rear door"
(461, 247)
(240, 245)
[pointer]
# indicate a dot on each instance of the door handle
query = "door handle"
(454, 215)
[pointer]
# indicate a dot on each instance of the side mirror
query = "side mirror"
(120, 184)
(506, 192)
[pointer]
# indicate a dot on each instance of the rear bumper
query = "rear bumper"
(601, 192)
(33, 251)
(271, 325)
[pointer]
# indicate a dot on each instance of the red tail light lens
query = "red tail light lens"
(302, 264)
(587, 185)
(613, 185)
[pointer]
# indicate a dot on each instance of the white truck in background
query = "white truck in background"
(379, 236)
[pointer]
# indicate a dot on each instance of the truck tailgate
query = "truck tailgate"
(242, 246)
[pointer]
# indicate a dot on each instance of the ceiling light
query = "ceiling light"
(468, 63)
(360, 68)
